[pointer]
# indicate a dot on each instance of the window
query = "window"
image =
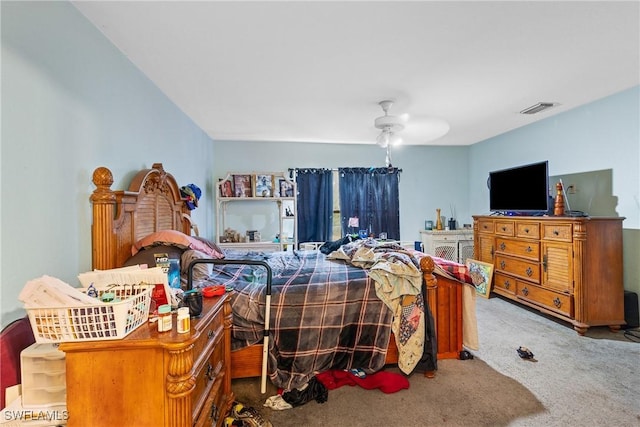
(324, 209)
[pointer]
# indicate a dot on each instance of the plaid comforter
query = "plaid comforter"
(324, 314)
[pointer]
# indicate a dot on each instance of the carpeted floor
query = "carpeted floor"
(577, 381)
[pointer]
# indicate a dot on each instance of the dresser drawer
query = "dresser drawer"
(528, 230)
(210, 333)
(559, 303)
(209, 372)
(561, 232)
(214, 409)
(504, 228)
(504, 283)
(529, 270)
(485, 226)
(520, 248)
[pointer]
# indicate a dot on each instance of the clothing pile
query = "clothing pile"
(317, 388)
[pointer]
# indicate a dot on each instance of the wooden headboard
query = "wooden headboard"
(121, 218)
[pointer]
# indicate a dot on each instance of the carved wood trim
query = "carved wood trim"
(120, 218)
(180, 383)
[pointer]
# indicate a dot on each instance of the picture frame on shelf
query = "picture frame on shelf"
(285, 187)
(482, 275)
(242, 186)
(253, 236)
(264, 185)
(226, 187)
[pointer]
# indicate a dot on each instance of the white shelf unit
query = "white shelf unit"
(453, 245)
(269, 210)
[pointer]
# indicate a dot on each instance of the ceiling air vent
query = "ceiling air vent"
(540, 106)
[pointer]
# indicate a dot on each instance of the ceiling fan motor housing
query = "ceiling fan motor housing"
(390, 123)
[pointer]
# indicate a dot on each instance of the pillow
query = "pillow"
(200, 271)
(174, 238)
(147, 256)
(211, 245)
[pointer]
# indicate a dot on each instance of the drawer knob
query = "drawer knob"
(526, 230)
(504, 228)
(214, 412)
(503, 264)
(502, 246)
(507, 284)
(525, 291)
(556, 232)
(210, 334)
(529, 249)
(209, 373)
(529, 271)
(557, 302)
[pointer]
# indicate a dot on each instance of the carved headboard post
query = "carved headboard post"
(103, 237)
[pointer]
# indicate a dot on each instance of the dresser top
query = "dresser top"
(458, 231)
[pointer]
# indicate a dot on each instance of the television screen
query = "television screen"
(520, 189)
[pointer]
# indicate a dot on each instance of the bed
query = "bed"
(153, 203)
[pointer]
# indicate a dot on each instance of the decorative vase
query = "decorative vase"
(439, 225)
(558, 207)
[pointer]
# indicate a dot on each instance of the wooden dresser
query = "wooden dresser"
(154, 379)
(570, 268)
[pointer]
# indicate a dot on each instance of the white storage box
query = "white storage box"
(43, 372)
(100, 321)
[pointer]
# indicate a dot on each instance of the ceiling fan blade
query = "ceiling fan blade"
(424, 129)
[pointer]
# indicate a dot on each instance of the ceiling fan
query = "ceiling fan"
(417, 129)
(420, 129)
(389, 126)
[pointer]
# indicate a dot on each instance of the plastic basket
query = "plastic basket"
(103, 321)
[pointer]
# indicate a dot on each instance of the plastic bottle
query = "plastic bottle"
(165, 321)
(184, 320)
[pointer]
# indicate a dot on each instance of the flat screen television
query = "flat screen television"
(521, 189)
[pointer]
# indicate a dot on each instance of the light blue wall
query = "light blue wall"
(72, 102)
(432, 177)
(602, 135)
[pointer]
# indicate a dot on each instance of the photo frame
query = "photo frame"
(253, 236)
(482, 275)
(285, 187)
(264, 186)
(242, 186)
(225, 187)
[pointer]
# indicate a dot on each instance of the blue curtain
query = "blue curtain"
(371, 195)
(315, 204)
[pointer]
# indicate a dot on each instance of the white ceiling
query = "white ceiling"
(315, 71)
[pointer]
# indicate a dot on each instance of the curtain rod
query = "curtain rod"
(353, 167)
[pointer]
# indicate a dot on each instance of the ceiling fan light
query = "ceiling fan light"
(383, 139)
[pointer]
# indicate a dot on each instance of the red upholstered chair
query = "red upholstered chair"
(13, 339)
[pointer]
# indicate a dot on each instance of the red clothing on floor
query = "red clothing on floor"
(387, 382)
